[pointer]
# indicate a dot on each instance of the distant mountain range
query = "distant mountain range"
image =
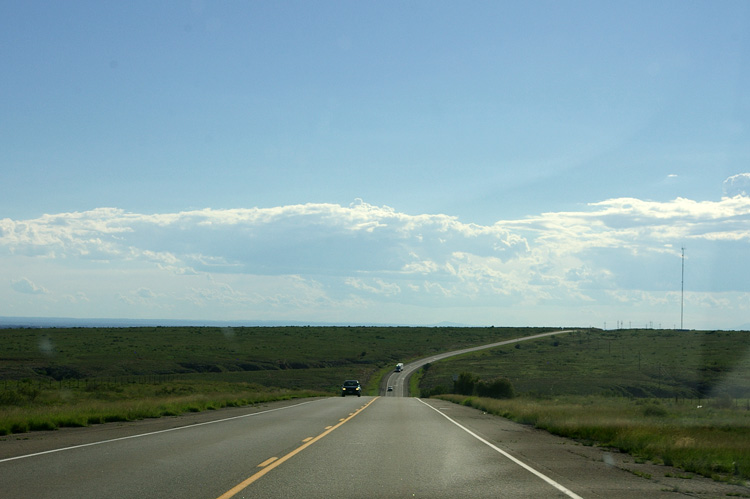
(44, 322)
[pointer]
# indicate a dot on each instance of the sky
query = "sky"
(414, 163)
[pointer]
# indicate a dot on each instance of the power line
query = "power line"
(682, 289)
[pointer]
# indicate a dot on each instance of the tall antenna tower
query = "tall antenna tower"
(682, 289)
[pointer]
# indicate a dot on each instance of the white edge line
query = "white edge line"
(150, 433)
(544, 477)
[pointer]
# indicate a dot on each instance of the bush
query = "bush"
(11, 397)
(431, 392)
(723, 401)
(465, 383)
(25, 394)
(655, 410)
(500, 388)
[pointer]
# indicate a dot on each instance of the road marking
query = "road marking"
(307, 439)
(152, 432)
(541, 475)
(267, 462)
(241, 486)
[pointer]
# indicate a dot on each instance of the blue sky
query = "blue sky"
(538, 163)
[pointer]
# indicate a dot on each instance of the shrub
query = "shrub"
(431, 392)
(500, 388)
(11, 397)
(24, 394)
(19, 427)
(723, 401)
(465, 383)
(655, 410)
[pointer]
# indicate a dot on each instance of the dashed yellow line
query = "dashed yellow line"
(273, 462)
(267, 462)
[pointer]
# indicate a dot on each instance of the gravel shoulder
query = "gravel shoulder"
(591, 471)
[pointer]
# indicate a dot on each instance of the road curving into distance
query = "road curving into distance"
(335, 447)
(400, 380)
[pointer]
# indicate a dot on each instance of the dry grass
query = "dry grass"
(711, 441)
(49, 409)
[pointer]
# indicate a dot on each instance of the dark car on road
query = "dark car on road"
(351, 387)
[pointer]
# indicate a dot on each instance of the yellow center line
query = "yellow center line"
(276, 462)
(267, 462)
(307, 439)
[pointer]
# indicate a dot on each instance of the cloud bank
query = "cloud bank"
(737, 185)
(363, 263)
(24, 285)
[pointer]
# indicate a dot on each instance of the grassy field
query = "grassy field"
(637, 390)
(71, 377)
(630, 363)
(120, 352)
(33, 408)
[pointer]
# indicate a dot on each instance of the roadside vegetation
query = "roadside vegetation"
(645, 363)
(31, 407)
(676, 398)
(51, 378)
(711, 440)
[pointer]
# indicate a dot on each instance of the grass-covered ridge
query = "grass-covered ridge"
(631, 363)
(74, 353)
(78, 376)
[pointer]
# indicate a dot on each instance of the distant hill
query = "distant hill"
(63, 322)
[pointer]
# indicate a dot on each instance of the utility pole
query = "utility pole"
(682, 289)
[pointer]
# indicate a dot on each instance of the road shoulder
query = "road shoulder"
(590, 471)
(19, 444)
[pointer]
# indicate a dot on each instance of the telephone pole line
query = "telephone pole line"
(682, 289)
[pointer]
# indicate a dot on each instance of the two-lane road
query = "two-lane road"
(400, 380)
(334, 447)
(392, 446)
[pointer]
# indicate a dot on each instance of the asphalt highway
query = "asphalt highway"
(338, 447)
(335, 447)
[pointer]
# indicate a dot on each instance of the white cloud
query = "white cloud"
(317, 260)
(145, 293)
(737, 185)
(24, 285)
(376, 286)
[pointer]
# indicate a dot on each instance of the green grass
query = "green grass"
(711, 441)
(79, 376)
(53, 408)
(66, 353)
(596, 386)
(630, 363)
(636, 390)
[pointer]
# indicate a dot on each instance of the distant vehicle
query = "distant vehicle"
(399, 367)
(390, 388)
(351, 387)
